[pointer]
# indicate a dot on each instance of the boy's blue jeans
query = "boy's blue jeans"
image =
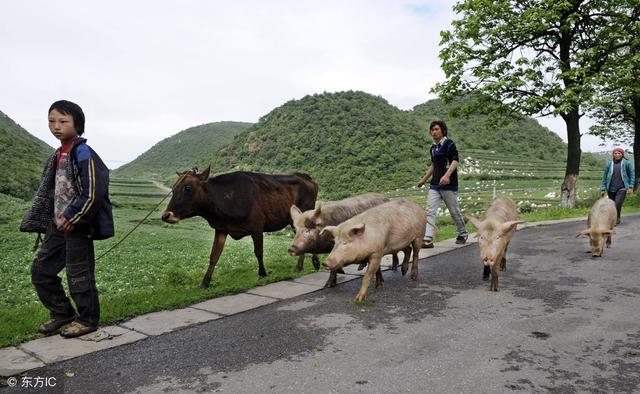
(451, 201)
(73, 250)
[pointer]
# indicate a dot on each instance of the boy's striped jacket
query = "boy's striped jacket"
(90, 205)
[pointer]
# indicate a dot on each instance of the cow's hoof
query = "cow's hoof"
(204, 285)
(360, 297)
(414, 276)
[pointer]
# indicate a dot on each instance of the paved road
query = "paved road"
(562, 322)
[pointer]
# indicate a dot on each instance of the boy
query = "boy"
(444, 182)
(72, 208)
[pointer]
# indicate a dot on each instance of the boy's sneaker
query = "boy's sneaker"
(54, 325)
(76, 329)
(427, 244)
(461, 239)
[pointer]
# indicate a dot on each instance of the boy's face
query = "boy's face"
(617, 155)
(62, 126)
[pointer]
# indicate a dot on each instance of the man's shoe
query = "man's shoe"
(76, 329)
(54, 325)
(461, 239)
(427, 244)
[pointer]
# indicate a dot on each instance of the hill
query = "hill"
(22, 158)
(351, 142)
(181, 151)
(348, 142)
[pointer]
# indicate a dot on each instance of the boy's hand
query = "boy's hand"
(444, 180)
(66, 225)
(602, 192)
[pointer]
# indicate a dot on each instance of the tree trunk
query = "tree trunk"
(569, 189)
(636, 140)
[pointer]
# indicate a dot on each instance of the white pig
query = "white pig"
(383, 229)
(494, 234)
(600, 223)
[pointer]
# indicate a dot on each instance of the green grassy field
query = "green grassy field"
(160, 265)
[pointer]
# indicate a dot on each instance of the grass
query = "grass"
(160, 266)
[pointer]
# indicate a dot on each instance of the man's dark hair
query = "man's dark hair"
(443, 126)
(72, 109)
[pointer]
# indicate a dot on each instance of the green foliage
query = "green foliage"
(181, 151)
(353, 142)
(22, 158)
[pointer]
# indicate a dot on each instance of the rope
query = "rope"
(143, 219)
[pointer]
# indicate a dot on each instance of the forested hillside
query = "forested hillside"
(22, 158)
(348, 142)
(352, 142)
(181, 151)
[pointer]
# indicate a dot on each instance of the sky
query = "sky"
(145, 70)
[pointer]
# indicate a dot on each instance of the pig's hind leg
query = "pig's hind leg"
(405, 259)
(417, 244)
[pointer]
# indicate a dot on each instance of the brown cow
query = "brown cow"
(239, 204)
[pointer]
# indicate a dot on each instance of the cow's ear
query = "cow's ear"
(205, 174)
(333, 230)
(295, 213)
(608, 232)
(357, 230)
(586, 232)
(474, 221)
(510, 225)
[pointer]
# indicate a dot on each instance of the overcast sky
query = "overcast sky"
(145, 70)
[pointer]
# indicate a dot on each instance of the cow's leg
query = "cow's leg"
(300, 262)
(316, 261)
(417, 244)
(405, 260)
(609, 241)
(218, 244)
(257, 250)
(374, 265)
(396, 261)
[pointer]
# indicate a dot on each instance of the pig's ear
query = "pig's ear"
(316, 216)
(510, 225)
(586, 232)
(295, 213)
(330, 229)
(474, 221)
(357, 230)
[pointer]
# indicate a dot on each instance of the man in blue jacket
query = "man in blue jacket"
(619, 177)
(71, 208)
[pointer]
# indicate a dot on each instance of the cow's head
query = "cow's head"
(188, 192)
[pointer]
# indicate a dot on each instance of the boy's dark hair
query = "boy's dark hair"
(443, 126)
(68, 108)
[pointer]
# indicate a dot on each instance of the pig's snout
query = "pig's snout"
(488, 262)
(293, 251)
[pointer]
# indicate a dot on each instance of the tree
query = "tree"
(616, 105)
(535, 57)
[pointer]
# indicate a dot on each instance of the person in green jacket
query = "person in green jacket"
(618, 179)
